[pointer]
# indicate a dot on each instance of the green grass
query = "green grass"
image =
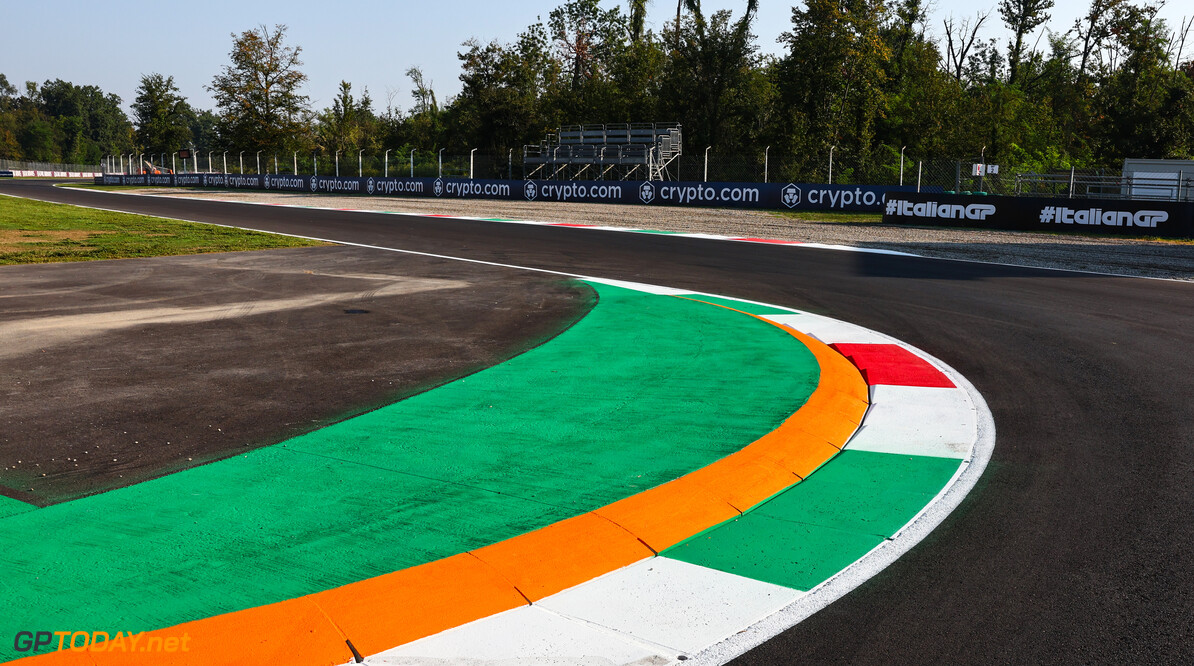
(34, 232)
(830, 216)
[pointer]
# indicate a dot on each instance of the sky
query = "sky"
(369, 43)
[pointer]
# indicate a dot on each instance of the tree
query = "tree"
(714, 81)
(1021, 17)
(587, 36)
(162, 115)
(350, 124)
(426, 118)
(832, 79)
(258, 94)
(638, 13)
(959, 39)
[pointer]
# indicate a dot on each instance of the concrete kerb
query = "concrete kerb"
(886, 553)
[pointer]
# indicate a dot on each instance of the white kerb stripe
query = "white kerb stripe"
(525, 635)
(682, 606)
(914, 420)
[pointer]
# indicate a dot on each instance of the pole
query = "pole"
(919, 168)
(386, 173)
(259, 162)
(296, 162)
(337, 164)
(315, 162)
(766, 161)
(831, 149)
(275, 164)
(360, 163)
(902, 165)
(1180, 175)
(441, 162)
(173, 169)
(412, 162)
(209, 154)
(1071, 182)
(141, 162)
(470, 163)
(241, 168)
(706, 178)
(510, 165)
(225, 162)
(982, 168)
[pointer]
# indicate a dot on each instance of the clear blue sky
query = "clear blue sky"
(370, 43)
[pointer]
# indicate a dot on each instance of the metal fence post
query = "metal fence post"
(902, 165)
(919, 169)
(441, 162)
(470, 163)
(766, 156)
(831, 149)
(412, 162)
(510, 164)
(706, 178)
(1071, 183)
(361, 163)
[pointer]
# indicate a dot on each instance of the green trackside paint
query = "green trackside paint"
(11, 507)
(821, 525)
(643, 389)
(752, 308)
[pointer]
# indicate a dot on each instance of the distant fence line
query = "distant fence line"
(21, 165)
(947, 175)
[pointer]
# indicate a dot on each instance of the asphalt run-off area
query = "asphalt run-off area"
(441, 440)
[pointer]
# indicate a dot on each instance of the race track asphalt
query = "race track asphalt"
(1076, 544)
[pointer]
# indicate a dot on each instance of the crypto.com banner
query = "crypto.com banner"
(773, 196)
(1098, 216)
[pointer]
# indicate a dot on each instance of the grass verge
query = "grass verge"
(34, 232)
(830, 216)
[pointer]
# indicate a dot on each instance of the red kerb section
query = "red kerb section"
(893, 365)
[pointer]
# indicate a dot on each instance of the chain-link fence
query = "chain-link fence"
(963, 176)
(20, 165)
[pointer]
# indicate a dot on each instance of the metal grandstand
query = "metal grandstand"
(623, 151)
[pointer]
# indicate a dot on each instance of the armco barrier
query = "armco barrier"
(1099, 216)
(780, 196)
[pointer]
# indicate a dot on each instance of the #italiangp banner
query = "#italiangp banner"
(1122, 217)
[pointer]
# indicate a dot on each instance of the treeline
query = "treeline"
(864, 78)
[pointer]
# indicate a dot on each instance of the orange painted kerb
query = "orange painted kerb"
(382, 612)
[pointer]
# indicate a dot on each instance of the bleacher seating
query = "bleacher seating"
(622, 150)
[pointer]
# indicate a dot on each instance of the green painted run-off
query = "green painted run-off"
(821, 525)
(642, 390)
